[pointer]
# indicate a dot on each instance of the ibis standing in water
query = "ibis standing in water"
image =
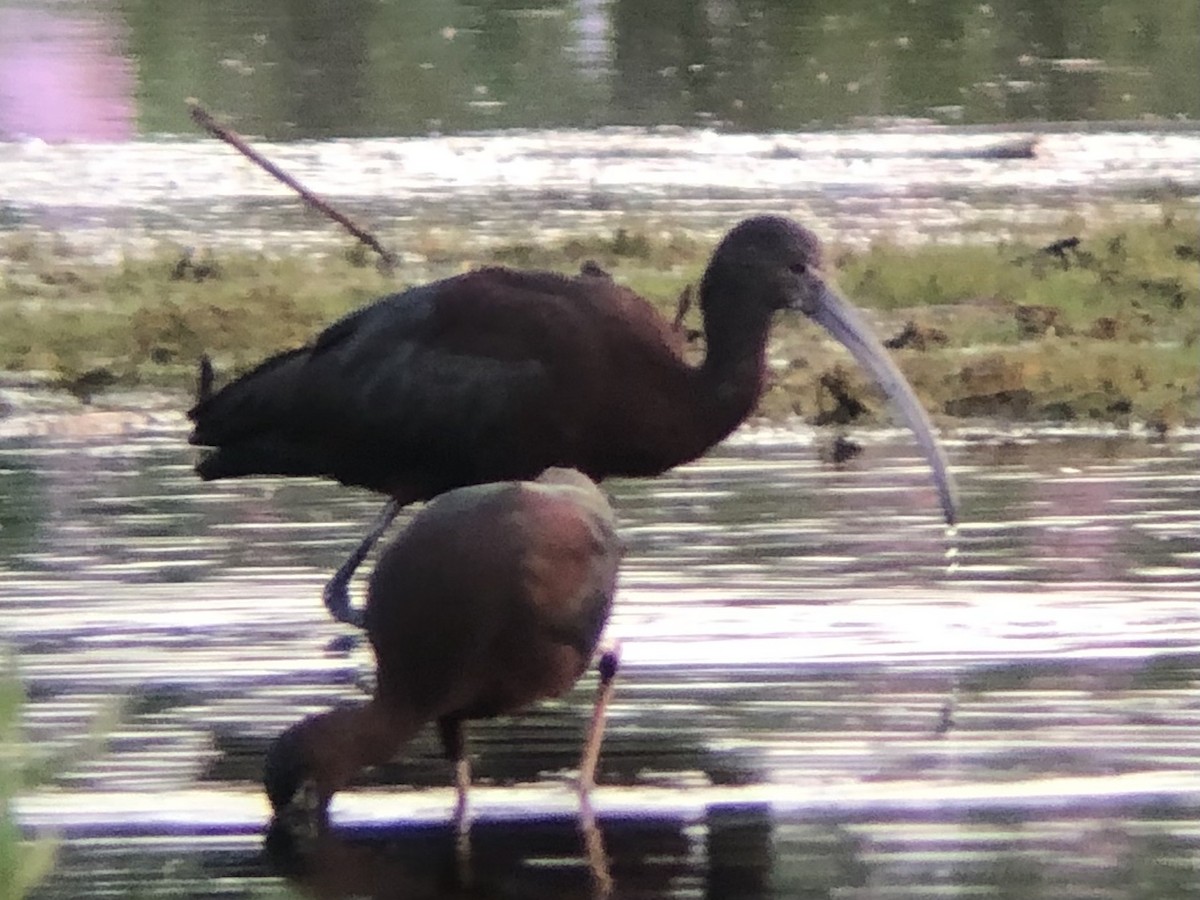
(498, 374)
(494, 596)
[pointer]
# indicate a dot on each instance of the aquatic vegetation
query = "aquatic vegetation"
(26, 860)
(23, 862)
(1096, 321)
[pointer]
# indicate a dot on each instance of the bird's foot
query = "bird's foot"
(593, 845)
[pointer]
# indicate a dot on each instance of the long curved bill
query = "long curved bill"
(835, 314)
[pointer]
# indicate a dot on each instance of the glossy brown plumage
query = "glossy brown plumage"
(493, 597)
(490, 375)
(497, 374)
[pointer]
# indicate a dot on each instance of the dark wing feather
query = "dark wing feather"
(268, 397)
(447, 384)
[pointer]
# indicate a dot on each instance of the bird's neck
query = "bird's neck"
(347, 739)
(735, 364)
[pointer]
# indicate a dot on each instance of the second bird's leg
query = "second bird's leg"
(337, 592)
(454, 745)
(610, 660)
(593, 841)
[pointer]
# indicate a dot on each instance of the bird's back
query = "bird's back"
(494, 596)
(495, 374)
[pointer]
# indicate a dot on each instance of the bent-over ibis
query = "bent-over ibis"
(493, 597)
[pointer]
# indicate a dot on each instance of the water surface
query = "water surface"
(323, 69)
(811, 702)
(901, 184)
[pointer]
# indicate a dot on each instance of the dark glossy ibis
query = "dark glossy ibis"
(493, 597)
(497, 374)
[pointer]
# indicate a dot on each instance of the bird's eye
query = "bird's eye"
(799, 268)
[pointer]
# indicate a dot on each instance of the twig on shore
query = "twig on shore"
(202, 118)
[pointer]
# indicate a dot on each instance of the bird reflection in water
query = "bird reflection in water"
(530, 859)
(729, 851)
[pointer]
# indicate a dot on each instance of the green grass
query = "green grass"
(1108, 331)
(1121, 270)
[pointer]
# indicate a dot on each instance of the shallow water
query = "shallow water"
(904, 183)
(811, 703)
(431, 123)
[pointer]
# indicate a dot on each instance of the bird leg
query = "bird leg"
(609, 662)
(454, 743)
(593, 841)
(462, 824)
(337, 592)
(462, 784)
(597, 856)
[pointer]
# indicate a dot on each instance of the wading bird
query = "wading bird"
(497, 374)
(493, 597)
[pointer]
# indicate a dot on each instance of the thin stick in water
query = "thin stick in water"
(202, 118)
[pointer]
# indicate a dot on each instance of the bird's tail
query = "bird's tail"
(249, 422)
(204, 379)
(248, 406)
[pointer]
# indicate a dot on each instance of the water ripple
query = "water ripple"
(793, 641)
